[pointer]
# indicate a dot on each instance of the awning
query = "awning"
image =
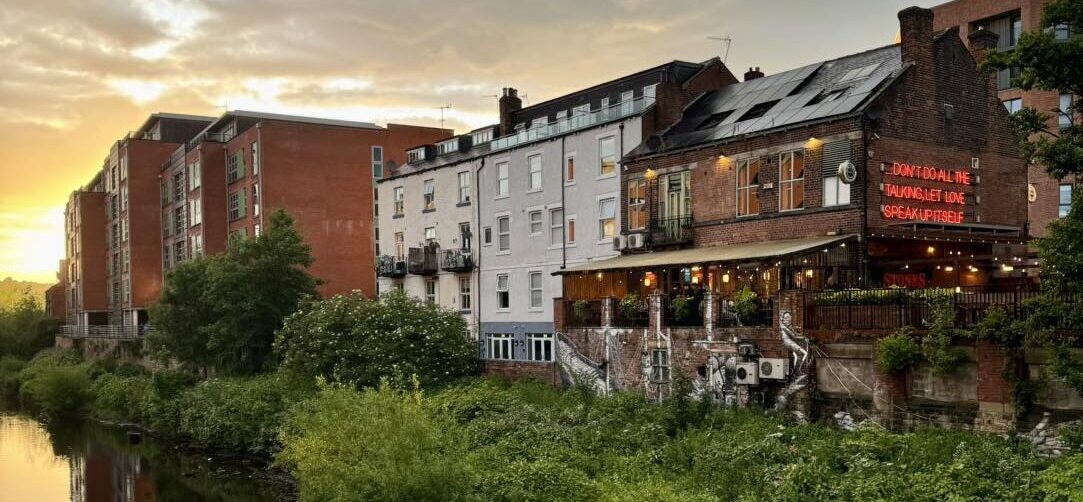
(733, 253)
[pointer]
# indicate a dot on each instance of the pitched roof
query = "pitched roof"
(816, 91)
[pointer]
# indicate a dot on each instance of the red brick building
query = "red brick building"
(56, 303)
(1048, 197)
(85, 246)
(221, 184)
(758, 231)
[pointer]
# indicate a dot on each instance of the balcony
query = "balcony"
(457, 260)
(423, 260)
(105, 331)
(390, 266)
(672, 231)
(574, 123)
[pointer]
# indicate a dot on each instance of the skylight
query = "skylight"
(713, 120)
(759, 110)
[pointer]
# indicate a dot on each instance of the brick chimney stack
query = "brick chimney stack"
(753, 74)
(509, 104)
(982, 42)
(916, 33)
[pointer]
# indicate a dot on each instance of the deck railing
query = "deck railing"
(105, 331)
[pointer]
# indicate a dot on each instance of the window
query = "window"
(1006, 77)
(400, 246)
(487, 235)
(429, 195)
(234, 167)
(377, 162)
(748, 187)
(713, 120)
(464, 294)
(400, 201)
(535, 285)
(197, 245)
(178, 220)
(195, 212)
(607, 218)
(1013, 105)
(503, 233)
(430, 235)
(659, 365)
(257, 230)
(124, 198)
(627, 103)
(836, 193)
(637, 204)
(535, 222)
(1062, 31)
(483, 136)
(791, 180)
(534, 172)
(1064, 118)
(465, 236)
(195, 175)
(236, 205)
(556, 227)
(178, 191)
(1015, 30)
(503, 300)
(255, 199)
(430, 291)
(415, 154)
(502, 179)
(464, 187)
(1065, 200)
(178, 251)
(569, 173)
(540, 346)
(758, 110)
(255, 158)
(607, 156)
(500, 346)
(124, 230)
(449, 146)
(571, 231)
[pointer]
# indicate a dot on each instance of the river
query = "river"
(88, 462)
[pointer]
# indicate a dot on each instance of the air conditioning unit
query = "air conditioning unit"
(636, 241)
(774, 368)
(620, 243)
(748, 374)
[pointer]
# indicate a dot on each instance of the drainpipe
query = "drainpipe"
(862, 261)
(477, 289)
(564, 214)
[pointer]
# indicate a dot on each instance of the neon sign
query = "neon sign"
(905, 280)
(949, 197)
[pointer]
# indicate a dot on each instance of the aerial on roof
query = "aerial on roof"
(817, 91)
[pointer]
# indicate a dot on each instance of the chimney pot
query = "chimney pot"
(916, 34)
(509, 104)
(753, 73)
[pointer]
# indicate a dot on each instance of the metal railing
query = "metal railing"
(390, 266)
(423, 260)
(895, 308)
(671, 231)
(582, 313)
(727, 317)
(573, 123)
(105, 331)
(457, 260)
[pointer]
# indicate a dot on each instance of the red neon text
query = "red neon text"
(919, 214)
(929, 173)
(924, 194)
(905, 280)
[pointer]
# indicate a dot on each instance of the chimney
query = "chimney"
(509, 104)
(916, 34)
(753, 74)
(982, 42)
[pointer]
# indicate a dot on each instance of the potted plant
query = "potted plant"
(745, 305)
(632, 306)
(682, 308)
(581, 310)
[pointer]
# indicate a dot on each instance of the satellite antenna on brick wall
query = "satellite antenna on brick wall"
(442, 108)
(723, 40)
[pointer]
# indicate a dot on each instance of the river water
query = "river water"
(94, 463)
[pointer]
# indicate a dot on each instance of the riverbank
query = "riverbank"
(483, 439)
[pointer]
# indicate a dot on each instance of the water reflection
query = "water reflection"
(90, 463)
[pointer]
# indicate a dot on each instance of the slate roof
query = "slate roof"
(817, 91)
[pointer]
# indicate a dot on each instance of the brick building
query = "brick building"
(56, 302)
(84, 256)
(221, 183)
(788, 221)
(1048, 198)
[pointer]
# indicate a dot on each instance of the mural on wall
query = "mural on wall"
(800, 359)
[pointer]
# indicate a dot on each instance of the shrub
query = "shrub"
(24, 328)
(1063, 481)
(632, 306)
(898, 352)
(682, 308)
(119, 397)
(58, 391)
(10, 367)
(373, 445)
(581, 310)
(352, 339)
(745, 304)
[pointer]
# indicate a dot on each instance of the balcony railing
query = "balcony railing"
(105, 331)
(457, 260)
(390, 266)
(423, 260)
(671, 231)
(573, 123)
(582, 313)
(878, 309)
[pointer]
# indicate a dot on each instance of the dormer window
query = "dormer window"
(482, 136)
(449, 146)
(826, 95)
(759, 110)
(415, 155)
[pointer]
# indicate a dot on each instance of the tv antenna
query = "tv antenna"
(728, 41)
(442, 108)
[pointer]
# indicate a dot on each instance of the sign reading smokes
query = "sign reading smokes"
(948, 197)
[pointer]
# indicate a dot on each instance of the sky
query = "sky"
(79, 74)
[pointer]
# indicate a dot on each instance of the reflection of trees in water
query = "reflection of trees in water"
(105, 467)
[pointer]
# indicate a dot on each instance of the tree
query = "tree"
(355, 340)
(25, 329)
(1048, 63)
(223, 311)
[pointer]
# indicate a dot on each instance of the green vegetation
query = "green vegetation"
(222, 311)
(746, 303)
(889, 296)
(13, 292)
(941, 332)
(358, 341)
(898, 352)
(632, 306)
(24, 327)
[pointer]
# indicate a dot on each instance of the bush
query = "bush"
(352, 339)
(1064, 480)
(25, 329)
(898, 352)
(373, 445)
(581, 310)
(745, 304)
(633, 307)
(10, 367)
(57, 391)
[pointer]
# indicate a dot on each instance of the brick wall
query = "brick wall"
(519, 370)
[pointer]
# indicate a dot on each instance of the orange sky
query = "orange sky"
(78, 74)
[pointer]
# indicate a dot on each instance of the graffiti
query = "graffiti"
(577, 369)
(800, 360)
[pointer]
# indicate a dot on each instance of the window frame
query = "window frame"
(506, 343)
(465, 294)
(782, 182)
(503, 293)
(602, 162)
(1063, 208)
(612, 220)
(751, 189)
(637, 206)
(432, 289)
(503, 237)
(503, 179)
(556, 226)
(464, 187)
(543, 341)
(399, 199)
(534, 173)
(660, 365)
(532, 290)
(428, 194)
(531, 222)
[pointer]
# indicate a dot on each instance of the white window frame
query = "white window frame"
(660, 365)
(569, 169)
(195, 175)
(534, 218)
(602, 237)
(195, 212)
(835, 192)
(538, 289)
(487, 236)
(430, 235)
(1065, 118)
(432, 291)
(503, 237)
(400, 246)
(464, 187)
(428, 194)
(556, 226)
(570, 230)
(466, 288)
(534, 180)
(399, 200)
(637, 205)
(502, 345)
(503, 179)
(540, 347)
(503, 289)
(602, 157)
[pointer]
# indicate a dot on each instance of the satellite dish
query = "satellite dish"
(1032, 193)
(847, 172)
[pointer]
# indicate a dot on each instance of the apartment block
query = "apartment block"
(221, 184)
(85, 247)
(1048, 198)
